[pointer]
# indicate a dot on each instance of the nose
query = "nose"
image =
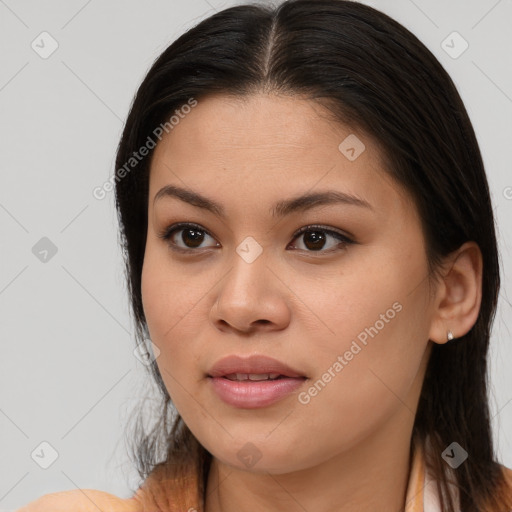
(252, 296)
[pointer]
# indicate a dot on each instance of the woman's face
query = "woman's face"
(351, 318)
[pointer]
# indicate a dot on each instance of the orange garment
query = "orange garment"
(162, 493)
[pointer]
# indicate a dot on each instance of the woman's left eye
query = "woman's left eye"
(192, 236)
(315, 238)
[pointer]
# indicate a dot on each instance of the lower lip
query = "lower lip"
(249, 394)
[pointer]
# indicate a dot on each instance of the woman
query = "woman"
(310, 246)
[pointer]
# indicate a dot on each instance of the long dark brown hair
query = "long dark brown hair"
(373, 74)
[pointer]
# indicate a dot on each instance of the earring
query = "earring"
(450, 335)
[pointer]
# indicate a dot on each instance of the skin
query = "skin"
(348, 448)
(82, 500)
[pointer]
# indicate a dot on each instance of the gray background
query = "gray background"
(68, 374)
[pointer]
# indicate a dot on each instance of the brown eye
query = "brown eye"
(191, 238)
(188, 238)
(315, 238)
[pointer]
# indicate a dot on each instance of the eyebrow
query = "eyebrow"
(280, 209)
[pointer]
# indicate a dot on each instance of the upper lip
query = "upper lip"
(256, 364)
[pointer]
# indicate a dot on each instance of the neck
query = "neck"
(371, 475)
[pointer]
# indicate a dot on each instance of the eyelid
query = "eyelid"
(181, 225)
(311, 227)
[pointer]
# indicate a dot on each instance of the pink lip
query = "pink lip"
(253, 394)
(251, 364)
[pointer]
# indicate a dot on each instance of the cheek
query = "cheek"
(172, 305)
(345, 306)
(348, 400)
(370, 335)
(168, 296)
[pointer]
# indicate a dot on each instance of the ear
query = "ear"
(458, 295)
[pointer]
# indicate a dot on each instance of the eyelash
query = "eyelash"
(168, 232)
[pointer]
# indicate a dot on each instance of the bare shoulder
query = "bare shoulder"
(82, 500)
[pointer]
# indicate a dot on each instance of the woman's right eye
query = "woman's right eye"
(192, 236)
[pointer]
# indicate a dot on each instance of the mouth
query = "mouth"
(253, 382)
(255, 377)
(245, 393)
(254, 368)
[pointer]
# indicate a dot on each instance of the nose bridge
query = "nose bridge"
(246, 294)
(249, 266)
(250, 250)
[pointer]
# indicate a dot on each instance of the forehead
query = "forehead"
(256, 122)
(270, 146)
